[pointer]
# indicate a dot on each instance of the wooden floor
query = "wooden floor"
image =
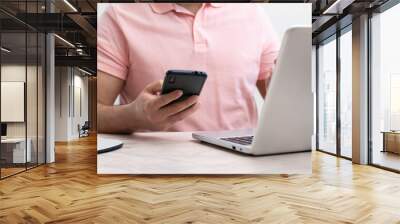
(10, 171)
(69, 191)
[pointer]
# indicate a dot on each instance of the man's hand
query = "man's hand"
(154, 112)
(149, 111)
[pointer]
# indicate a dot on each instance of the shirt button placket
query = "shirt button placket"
(199, 40)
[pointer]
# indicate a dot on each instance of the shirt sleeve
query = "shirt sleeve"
(112, 50)
(270, 46)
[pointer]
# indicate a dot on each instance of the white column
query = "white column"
(360, 90)
(50, 92)
(50, 99)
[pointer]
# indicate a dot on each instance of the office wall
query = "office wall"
(71, 102)
(62, 78)
(15, 72)
(13, 98)
(81, 102)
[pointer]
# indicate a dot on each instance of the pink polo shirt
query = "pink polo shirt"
(234, 44)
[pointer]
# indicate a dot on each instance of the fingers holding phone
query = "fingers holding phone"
(177, 107)
(177, 101)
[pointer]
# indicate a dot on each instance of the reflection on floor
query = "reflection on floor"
(346, 152)
(386, 159)
(10, 169)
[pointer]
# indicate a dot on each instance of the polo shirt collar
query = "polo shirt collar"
(216, 5)
(162, 8)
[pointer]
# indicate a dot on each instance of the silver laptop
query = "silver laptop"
(286, 121)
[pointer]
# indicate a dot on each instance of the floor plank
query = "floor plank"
(70, 191)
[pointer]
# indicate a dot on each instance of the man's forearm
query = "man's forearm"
(116, 119)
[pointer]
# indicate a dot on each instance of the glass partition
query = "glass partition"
(22, 90)
(14, 153)
(41, 109)
(31, 99)
(385, 89)
(327, 96)
(346, 93)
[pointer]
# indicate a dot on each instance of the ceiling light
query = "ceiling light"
(5, 50)
(65, 41)
(70, 5)
(86, 72)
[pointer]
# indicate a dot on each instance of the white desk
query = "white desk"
(178, 153)
(19, 155)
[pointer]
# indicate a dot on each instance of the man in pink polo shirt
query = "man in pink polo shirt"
(137, 43)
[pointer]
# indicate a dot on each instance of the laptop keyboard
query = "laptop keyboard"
(244, 140)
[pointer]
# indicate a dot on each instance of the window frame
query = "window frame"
(333, 37)
(378, 10)
(27, 29)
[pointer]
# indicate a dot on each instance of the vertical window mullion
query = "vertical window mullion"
(37, 89)
(338, 91)
(317, 95)
(26, 87)
(369, 77)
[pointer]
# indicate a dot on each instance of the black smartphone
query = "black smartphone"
(190, 82)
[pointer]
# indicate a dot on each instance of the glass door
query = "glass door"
(385, 89)
(327, 96)
(346, 93)
(22, 77)
(14, 153)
